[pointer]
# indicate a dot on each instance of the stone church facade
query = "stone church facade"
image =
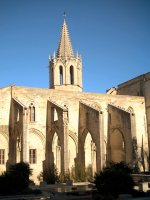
(65, 126)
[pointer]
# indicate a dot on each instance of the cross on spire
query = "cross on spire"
(64, 15)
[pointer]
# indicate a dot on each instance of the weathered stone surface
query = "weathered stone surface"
(64, 126)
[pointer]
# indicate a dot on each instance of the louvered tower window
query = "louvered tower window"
(71, 75)
(61, 75)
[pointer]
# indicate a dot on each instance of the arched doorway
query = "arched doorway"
(72, 151)
(56, 149)
(90, 153)
(117, 147)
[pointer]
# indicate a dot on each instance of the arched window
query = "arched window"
(61, 75)
(55, 115)
(32, 112)
(56, 149)
(71, 75)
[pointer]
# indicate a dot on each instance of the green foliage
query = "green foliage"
(89, 173)
(78, 173)
(50, 175)
(64, 177)
(16, 179)
(114, 179)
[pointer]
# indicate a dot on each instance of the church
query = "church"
(62, 125)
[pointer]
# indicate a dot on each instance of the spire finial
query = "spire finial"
(64, 15)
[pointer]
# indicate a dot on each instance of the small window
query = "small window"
(61, 75)
(32, 113)
(2, 156)
(32, 156)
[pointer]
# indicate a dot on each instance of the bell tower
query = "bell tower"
(65, 69)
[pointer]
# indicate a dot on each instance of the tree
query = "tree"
(20, 172)
(114, 179)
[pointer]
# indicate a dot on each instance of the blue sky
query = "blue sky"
(113, 37)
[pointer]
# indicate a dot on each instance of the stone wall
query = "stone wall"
(79, 111)
(139, 86)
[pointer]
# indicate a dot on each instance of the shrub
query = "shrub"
(78, 173)
(114, 179)
(64, 177)
(89, 173)
(50, 175)
(20, 172)
(16, 179)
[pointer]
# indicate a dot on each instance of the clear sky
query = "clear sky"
(113, 37)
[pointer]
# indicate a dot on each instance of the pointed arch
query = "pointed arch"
(39, 134)
(36, 148)
(71, 75)
(32, 112)
(55, 114)
(117, 145)
(90, 153)
(56, 149)
(72, 148)
(87, 150)
(133, 121)
(84, 135)
(73, 135)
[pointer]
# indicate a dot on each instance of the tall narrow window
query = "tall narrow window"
(32, 156)
(52, 76)
(18, 115)
(2, 156)
(32, 113)
(71, 75)
(61, 75)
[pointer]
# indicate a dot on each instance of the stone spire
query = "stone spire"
(65, 69)
(65, 47)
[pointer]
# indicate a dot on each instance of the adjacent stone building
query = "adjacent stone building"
(65, 126)
(139, 86)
